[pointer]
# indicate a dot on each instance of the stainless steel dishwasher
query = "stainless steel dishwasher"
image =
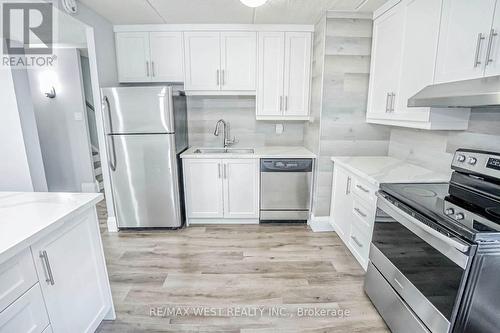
(285, 189)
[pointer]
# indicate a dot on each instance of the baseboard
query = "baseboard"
(320, 224)
(222, 221)
(112, 226)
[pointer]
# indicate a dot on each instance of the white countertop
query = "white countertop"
(26, 217)
(384, 169)
(259, 152)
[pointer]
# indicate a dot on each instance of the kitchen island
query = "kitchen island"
(53, 276)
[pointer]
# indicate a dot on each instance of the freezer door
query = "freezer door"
(138, 110)
(145, 181)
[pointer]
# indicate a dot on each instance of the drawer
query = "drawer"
(359, 241)
(26, 314)
(364, 190)
(16, 276)
(364, 214)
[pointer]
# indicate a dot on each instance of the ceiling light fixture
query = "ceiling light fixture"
(253, 3)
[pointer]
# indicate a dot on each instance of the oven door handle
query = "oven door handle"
(440, 242)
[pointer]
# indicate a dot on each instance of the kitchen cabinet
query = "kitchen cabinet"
(150, 56)
(284, 75)
(352, 212)
(221, 190)
(220, 61)
(203, 188)
(463, 39)
(404, 48)
(71, 267)
(492, 60)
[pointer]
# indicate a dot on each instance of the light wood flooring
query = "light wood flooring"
(239, 273)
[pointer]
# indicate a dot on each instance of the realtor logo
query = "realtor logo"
(27, 28)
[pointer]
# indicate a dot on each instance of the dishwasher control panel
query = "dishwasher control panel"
(286, 165)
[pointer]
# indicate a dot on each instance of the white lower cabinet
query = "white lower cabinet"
(73, 276)
(221, 190)
(352, 212)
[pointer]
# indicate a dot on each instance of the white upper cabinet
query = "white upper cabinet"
(463, 39)
(133, 56)
(385, 62)
(220, 61)
(167, 56)
(270, 73)
(202, 58)
(404, 50)
(492, 59)
(150, 57)
(297, 73)
(284, 75)
(238, 60)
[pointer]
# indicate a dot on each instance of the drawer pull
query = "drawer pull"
(46, 264)
(362, 188)
(360, 212)
(398, 283)
(358, 243)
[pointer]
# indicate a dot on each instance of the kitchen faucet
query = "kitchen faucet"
(225, 130)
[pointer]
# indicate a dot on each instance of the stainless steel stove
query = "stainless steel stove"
(435, 253)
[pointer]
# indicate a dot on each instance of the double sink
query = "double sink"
(224, 151)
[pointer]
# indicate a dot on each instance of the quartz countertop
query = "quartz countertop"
(385, 169)
(259, 152)
(26, 217)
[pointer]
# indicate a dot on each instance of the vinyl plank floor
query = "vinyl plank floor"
(244, 279)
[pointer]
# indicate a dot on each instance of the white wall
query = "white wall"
(21, 168)
(104, 42)
(62, 124)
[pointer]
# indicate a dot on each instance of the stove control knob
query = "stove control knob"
(461, 158)
(449, 211)
(459, 216)
(472, 160)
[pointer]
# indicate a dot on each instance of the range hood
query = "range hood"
(461, 94)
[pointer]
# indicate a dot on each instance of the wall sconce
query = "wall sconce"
(49, 83)
(51, 93)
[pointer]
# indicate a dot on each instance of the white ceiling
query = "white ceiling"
(221, 11)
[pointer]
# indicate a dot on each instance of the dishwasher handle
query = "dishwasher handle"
(286, 165)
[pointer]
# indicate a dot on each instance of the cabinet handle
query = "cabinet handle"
(218, 78)
(147, 68)
(480, 38)
(359, 212)
(387, 103)
(281, 103)
(286, 103)
(493, 34)
(219, 169)
(46, 264)
(153, 68)
(223, 77)
(348, 187)
(393, 98)
(362, 188)
(358, 243)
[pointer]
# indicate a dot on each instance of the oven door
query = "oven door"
(423, 263)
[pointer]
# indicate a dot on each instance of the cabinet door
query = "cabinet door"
(203, 187)
(270, 73)
(297, 73)
(78, 298)
(202, 60)
(241, 188)
(386, 61)
(341, 206)
(132, 53)
(463, 34)
(421, 32)
(167, 56)
(238, 60)
(492, 60)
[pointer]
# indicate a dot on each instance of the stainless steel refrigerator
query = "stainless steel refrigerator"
(146, 130)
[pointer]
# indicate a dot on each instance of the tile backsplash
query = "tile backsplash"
(239, 112)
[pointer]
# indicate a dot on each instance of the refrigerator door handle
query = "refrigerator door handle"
(112, 150)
